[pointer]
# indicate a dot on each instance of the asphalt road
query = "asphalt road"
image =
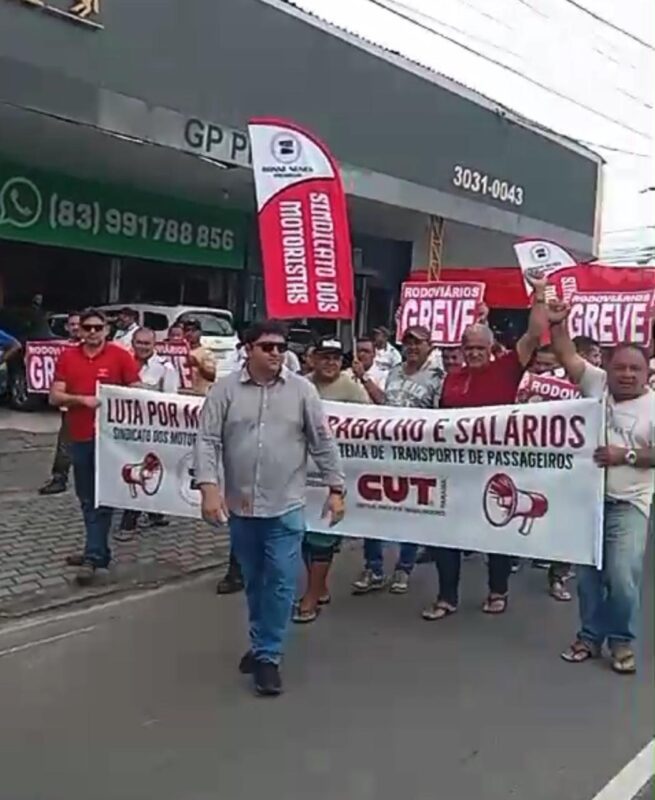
(142, 700)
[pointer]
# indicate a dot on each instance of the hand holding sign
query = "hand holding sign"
(558, 312)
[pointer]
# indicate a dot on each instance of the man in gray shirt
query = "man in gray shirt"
(260, 424)
(416, 383)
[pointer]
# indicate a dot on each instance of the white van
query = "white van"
(218, 334)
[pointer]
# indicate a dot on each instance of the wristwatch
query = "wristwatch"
(630, 458)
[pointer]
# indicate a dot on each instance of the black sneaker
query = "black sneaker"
(53, 486)
(230, 584)
(85, 574)
(247, 663)
(267, 679)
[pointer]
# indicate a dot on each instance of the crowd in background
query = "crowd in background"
(480, 372)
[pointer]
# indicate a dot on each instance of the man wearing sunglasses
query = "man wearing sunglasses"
(78, 372)
(260, 425)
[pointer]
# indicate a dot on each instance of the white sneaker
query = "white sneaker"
(368, 581)
(399, 582)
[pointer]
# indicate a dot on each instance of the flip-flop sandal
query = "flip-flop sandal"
(437, 611)
(579, 652)
(558, 592)
(495, 605)
(325, 600)
(304, 617)
(623, 661)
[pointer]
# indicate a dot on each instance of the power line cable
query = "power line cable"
(610, 24)
(454, 28)
(614, 149)
(508, 68)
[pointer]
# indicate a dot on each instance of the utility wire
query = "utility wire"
(508, 68)
(614, 149)
(610, 24)
(450, 27)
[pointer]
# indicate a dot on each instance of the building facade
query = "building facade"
(125, 168)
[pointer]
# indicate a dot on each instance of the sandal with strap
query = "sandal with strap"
(325, 600)
(304, 617)
(437, 611)
(559, 592)
(495, 604)
(623, 660)
(580, 651)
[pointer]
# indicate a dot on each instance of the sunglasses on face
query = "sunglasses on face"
(269, 347)
(89, 328)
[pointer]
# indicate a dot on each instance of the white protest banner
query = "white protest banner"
(443, 307)
(611, 318)
(178, 354)
(512, 479)
(40, 361)
(539, 388)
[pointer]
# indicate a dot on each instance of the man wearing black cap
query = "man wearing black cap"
(416, 383)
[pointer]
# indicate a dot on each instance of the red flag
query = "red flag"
(303, 223)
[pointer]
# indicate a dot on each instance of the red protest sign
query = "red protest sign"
(445, 308)
(40, 361)
(178, 354)
(613, 317)
(539, 388)
(303, 223)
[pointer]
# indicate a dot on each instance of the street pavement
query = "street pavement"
(37, 533)
(142, 700)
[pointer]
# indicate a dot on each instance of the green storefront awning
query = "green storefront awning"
(44, 207)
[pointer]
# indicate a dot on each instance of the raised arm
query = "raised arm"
(537, 323)
(564, 348)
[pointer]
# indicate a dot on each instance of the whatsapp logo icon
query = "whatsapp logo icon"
(20, 203)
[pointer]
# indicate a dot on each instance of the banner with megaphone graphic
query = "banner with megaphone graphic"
(508, 479)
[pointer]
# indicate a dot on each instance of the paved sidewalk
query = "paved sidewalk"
(37, 533)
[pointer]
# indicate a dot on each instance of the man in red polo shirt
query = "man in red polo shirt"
(486, 382)
(79, 370)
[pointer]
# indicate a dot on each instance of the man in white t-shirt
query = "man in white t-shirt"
(609, 598)
(126, 326)
(386, 355)
(367, 372)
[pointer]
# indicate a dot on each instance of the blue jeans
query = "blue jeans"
(374, 561)
(268, 550)
(97, 521)
(609, 598)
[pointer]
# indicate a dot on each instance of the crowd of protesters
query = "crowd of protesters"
(261, 455)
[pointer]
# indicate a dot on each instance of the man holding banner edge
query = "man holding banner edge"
(609, 598)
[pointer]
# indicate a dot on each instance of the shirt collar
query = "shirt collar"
(246, 377)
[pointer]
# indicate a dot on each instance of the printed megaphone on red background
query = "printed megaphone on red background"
(147, 474)
(503, 501)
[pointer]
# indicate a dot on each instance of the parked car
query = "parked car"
(25, 324)
(218, 334)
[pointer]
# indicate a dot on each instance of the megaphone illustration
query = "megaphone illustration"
(147, 474)
(503, 501)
